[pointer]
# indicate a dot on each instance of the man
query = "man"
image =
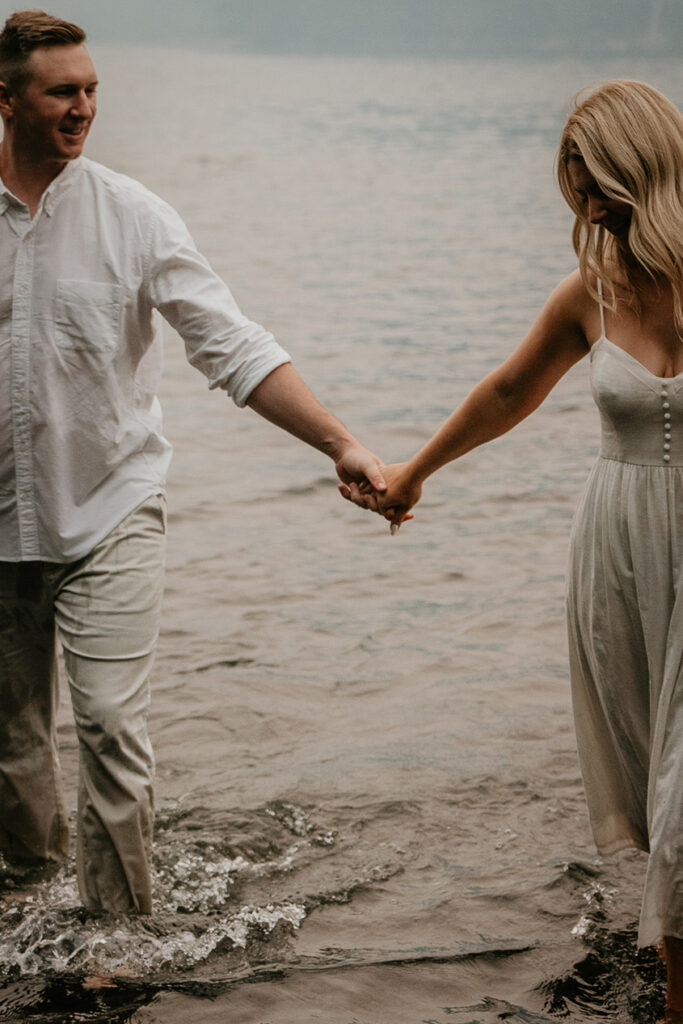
(87, 257)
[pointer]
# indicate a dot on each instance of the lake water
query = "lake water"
(369, 801)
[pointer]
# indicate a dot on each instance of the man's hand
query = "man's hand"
(393, 499)
(361, 476)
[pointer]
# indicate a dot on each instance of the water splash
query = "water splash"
(68, 941)
(597, 896)
(197, 906)
(298, 821)
(195, 883)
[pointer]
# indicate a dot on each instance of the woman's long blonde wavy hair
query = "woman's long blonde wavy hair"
(630, 137)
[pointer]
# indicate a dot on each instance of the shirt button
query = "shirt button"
(666, 457)
(665, 405)
(667, 437)
(667, 446)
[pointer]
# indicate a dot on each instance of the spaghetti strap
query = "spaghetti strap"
(602, 310)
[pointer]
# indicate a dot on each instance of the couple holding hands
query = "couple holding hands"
(88, 259)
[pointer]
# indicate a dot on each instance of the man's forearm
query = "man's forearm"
(285, 400)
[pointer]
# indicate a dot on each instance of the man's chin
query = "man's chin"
(72, 145)
(71, 152)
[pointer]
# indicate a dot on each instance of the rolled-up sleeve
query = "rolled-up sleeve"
(233, 352)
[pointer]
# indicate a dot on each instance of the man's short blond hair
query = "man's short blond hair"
(24, 32)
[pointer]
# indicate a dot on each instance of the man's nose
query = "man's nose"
(82, 105)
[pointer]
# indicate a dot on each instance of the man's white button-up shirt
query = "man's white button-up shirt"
(80, 360)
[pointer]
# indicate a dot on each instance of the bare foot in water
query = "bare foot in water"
(91, 982)
(95, 981)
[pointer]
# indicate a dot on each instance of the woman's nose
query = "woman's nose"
(596, 211)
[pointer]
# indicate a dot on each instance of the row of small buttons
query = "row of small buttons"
(667, 424)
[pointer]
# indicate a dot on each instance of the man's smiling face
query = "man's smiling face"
(52, 114)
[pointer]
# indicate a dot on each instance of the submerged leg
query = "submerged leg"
(107, 611)
(33, 827)
(673, 955)
(115, 802)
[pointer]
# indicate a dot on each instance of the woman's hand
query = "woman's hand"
(392, 502)
(403, 491)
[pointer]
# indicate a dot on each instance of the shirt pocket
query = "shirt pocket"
(87, 315)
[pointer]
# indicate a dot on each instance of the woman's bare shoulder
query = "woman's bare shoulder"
(571, 304)
(571, 293)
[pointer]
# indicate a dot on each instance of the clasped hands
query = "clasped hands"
(391, 491)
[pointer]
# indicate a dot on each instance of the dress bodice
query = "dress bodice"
(641, 414)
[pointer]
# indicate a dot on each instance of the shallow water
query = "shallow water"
(369, 803)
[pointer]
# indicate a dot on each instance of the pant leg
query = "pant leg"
(33, 825)
(107, 609)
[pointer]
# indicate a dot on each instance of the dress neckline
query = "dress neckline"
(631, 358)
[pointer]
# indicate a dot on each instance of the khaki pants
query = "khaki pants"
(105, 610)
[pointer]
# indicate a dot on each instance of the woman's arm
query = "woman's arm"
(506, 396)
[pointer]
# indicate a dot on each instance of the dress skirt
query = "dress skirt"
(625, 619)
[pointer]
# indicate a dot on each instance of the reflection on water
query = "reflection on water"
(370, 804)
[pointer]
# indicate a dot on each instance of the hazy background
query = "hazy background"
(392, 27)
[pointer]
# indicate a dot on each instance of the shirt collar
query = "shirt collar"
(6, 197)
(59, 185)
(52, 194)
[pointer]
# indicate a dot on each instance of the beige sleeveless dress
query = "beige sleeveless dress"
(625, 616)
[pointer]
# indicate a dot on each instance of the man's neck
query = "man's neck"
(26, 179)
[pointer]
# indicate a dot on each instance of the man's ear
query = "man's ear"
(6, 100)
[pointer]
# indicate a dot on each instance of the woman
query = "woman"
(620, 168)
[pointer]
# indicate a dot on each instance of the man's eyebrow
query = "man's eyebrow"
(72, 85)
